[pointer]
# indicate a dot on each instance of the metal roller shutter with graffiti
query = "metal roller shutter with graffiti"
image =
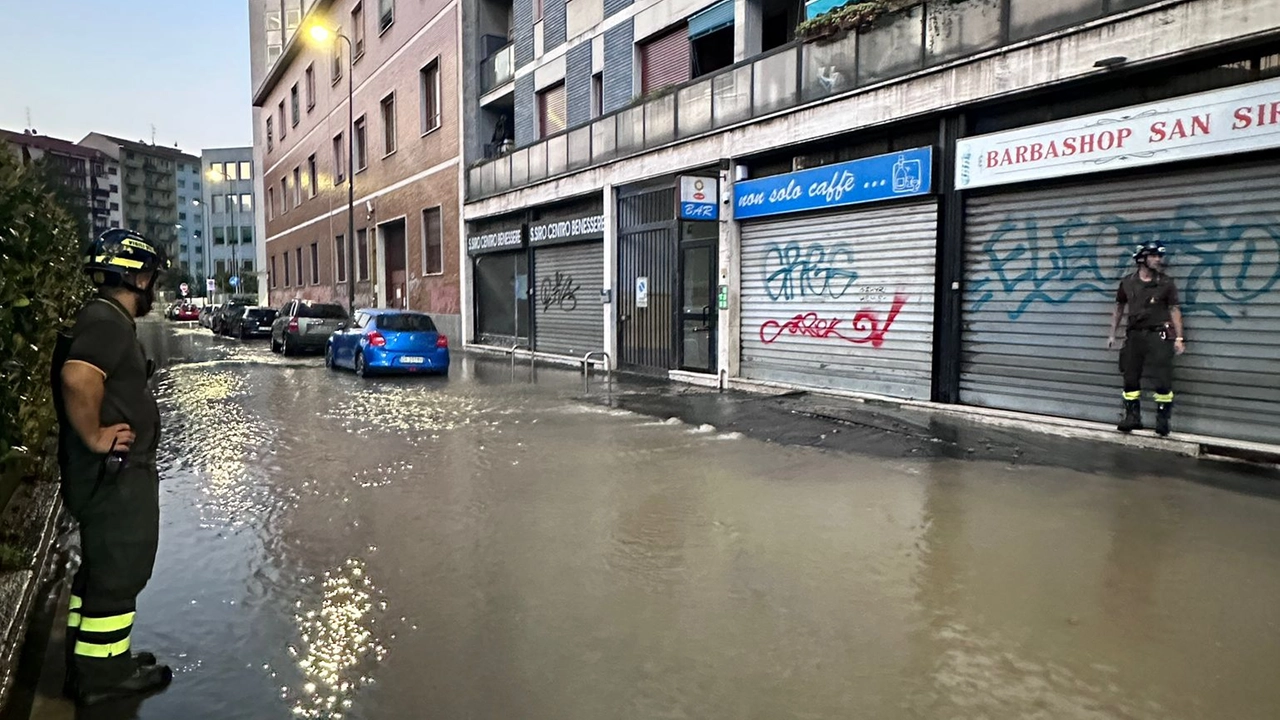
(841, 300)
(567, 284)
(1041, 272)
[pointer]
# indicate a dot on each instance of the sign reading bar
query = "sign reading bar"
(590, 227)
(1210, 124)
(883, 177)
(699, 198)
(495, 241)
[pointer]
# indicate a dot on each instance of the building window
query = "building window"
(231, 202)
(282, 120)
(246, 235)
(286, 268)
(386, 14)
(246, 266)
(357, 30)
(116, 188)
(664, 61)
(219, 204)
(340, 258)
(432, 242)
(294, 110)
(229, 171)
(182, 216)
(116, 206)
(311, 176)
(271, 272)
(389, 124)
(297, 186)
(246, 170)
(339, 158)
(113, 170)
(311, 86)
(335, 70)
(182, 183)
(246, 202)
(298, 256)
(195, 186)
(284, 194)
(271, 137)
(271, 202)
(315, 263)
(551, 110)
(362, 157)
(362, 255)
(429, 92)
(219, 236)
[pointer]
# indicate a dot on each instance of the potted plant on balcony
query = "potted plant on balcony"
(836, 23)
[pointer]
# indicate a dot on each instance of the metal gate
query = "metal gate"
(567, 284)
(841, 301)
(647, 249)
(1041, 272)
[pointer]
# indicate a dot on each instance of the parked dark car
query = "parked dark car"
(222, 319)
(207, 313)
(252, 322)
(305, 326)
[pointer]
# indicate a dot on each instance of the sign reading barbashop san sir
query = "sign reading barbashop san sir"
(1210, 124)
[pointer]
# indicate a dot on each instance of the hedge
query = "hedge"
(41, 288)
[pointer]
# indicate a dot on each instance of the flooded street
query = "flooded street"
(474, 547)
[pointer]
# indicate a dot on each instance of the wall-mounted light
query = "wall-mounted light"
(1111, 63)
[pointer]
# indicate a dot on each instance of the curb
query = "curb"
(18, 589)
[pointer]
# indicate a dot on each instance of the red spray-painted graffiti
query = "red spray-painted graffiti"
(865, 328)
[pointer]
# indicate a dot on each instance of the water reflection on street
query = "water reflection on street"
(473, 547)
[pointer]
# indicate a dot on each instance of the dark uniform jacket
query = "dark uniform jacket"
(1148, 302)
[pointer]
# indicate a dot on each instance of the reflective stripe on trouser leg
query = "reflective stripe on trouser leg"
(1132, 394)
(1164, 397)
(73, 617)
(104, 636)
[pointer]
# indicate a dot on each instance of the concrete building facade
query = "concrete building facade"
(90, 174)
(190, 255)
(148, 186)
(933, 206)
(232, 235)
(407, 136)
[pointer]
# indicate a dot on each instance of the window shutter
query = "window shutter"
(665, 60)
(554, 111)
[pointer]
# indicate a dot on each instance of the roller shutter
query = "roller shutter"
(1040, 280)
(665, 60)
(841, 300)
(568, 280)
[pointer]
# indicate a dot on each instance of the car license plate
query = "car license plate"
(412, 360)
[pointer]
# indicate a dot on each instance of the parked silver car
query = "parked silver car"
(305, 326)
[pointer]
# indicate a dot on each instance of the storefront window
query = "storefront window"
(502, 295)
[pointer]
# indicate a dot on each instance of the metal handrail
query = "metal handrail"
(512, 353)
(608, 367)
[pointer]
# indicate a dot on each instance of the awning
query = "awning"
(713, 18)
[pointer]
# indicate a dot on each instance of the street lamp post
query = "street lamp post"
(206, 222)
(323, 34)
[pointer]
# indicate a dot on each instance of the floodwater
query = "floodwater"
(474, 547)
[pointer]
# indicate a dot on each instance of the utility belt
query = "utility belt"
(1166, 330)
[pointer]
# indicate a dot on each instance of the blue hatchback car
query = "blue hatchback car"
(386, 341)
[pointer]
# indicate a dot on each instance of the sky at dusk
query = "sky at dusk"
(121, 66)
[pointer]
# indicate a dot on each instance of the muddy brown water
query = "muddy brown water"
(472, 547)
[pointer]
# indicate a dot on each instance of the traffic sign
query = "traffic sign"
(642, 292)
(234, 280)
(210, 285)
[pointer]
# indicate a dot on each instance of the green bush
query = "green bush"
(41, 288)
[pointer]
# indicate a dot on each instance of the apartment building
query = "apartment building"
(190, 217)
(913, 201)
(148, 186)
(228, 201)
(402, 67)
(88, 174)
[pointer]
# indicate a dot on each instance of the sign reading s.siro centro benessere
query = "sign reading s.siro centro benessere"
(883, 177)
(1210, 124)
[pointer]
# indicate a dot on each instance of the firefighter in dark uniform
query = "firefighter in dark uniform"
(1153, 336)
(109, 430)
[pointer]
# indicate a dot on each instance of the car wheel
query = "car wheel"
(243, 335)
(275, 347)
(284, 346)
(329, 360)
(361, 370)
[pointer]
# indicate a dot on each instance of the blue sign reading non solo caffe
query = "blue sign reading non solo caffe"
(884, 177)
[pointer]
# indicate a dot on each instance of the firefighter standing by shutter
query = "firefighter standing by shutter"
(1152, 337)
(109, 430)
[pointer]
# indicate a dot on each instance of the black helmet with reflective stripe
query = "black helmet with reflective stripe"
(1150, 247)
(118, 253)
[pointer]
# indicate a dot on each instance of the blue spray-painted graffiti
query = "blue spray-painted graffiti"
(816, 270)
(1217, 263)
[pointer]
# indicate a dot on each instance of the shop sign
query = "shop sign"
(1210, 124)
(590, 227)
(699, 198)
(884, 177)
(495, 241)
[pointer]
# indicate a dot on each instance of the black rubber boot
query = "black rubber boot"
(1164, 412)
(143, 659)
(146, 679)
(1132, 419)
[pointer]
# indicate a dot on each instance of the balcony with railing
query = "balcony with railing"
(498, 69)
(832, 60)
